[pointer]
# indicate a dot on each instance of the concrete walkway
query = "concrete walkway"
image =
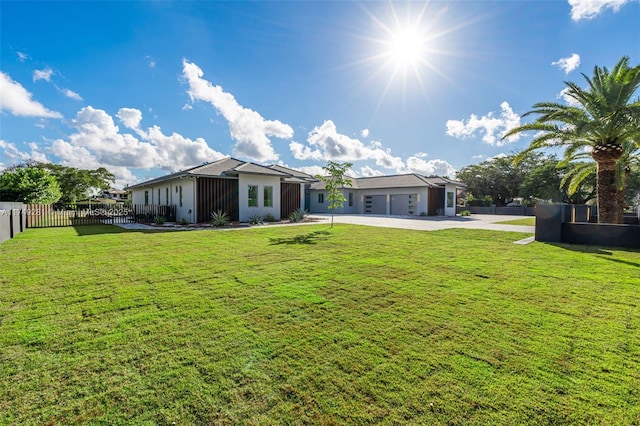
(419, 223)
(430, 223)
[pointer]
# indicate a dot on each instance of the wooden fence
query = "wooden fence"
(51, 215)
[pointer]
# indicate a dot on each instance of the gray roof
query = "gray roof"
(411, 180)
(226, 167)
(292, 172)
(256, 169)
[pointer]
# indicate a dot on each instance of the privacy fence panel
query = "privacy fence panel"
(51, 215)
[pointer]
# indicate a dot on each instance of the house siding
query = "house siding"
(186, 211)
(215, 194)
(244, 180)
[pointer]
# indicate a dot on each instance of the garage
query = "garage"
(375, 204)
(403, 204)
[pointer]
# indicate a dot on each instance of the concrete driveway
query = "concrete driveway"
(431, 223)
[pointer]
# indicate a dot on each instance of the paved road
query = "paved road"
(430, 223)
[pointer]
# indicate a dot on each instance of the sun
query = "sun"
(406, 49)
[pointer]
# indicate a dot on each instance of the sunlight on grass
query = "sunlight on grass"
(303, 325)
(530, 221)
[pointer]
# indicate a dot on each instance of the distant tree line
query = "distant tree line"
(538, 177)
(47, 183)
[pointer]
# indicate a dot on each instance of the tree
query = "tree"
(334, 182)
(78, 184)
(603, 120)
(30, 185)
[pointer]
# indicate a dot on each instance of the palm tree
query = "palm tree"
(603, 120)
(579, 171)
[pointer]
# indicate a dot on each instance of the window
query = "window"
(320, 198)
(167, 194)
(158, 196)
(180, 195)
(253, 195)
(351, 199)
(146, 198)
(268, 196)
(449, 199)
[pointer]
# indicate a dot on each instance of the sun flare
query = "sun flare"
(406, 49)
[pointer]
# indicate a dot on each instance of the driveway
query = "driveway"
(431, 223)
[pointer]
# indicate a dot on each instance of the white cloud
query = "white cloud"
(98, 142)
(326, 143)
(15, 156)
(248, 128)
(44, 74)
(364, 133)
(588, 9)
(493, 128)
(568, 64)
(70, 94)
(17, 100)
(569, 100)
(501, 155)
(367, 171)
(151, 62)
(22, 56)
(130, 117)
(312, 170)
(421, 166)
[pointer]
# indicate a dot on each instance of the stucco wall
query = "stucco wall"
(186, 210)
(244, 180)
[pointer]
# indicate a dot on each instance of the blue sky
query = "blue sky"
(148, 88)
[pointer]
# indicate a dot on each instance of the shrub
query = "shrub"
(219, 218)
(423, 213)
(184, 221)
(256, 219)
(298, 215)
(465, 213)
(269, 218)
(440, 212)
(159, 220)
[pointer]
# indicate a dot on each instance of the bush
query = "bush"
(423, 213)
(256, 219)
(465, 213)
(269, 218)
(159, 220)
(440, 212)
(184, 221)
(219, 218)
(298, 215)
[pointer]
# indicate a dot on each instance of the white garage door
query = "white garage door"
(404, 204)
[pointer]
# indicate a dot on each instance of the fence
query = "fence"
(51, 215)
(514, 211)
(563, 223)
(12, 222)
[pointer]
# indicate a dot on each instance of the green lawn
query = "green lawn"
(300, 325)
(530, 221)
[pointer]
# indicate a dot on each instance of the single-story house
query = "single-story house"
(238, 188)
(407, 194)
(115, 194)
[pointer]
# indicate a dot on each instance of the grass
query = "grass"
(529, 221)
(301, 325)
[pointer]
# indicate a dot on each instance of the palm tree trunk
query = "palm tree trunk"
(608, 204)
(621, 193)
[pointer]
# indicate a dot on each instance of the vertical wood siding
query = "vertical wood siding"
(289, 198)
(215, 194)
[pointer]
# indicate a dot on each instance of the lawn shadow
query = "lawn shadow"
(599, 250)
(310, 238)
(86, 230)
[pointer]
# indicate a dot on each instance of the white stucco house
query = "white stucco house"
(407, 194)
(243, 189)
(239, 188)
